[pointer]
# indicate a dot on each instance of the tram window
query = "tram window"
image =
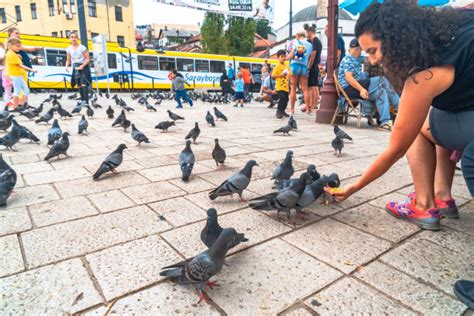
(38, 58)
(202, 65)
(185, 64)
(91, 60)
(167, 63)
(256, 68)
(112, 61)
(246, 65)
(217, 66)
(147, 62)
(56, 58)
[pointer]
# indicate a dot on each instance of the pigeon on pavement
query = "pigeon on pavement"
(62, 112)
(186, 161)
(219, 114)
(139, 136)
(285, 130)
(313, 191)
(110, 112)
(7, 181)
(54, 132)
(212, 231)
(218, 154)
(174, 117)
(150, 107)
(164, 125)
(337, 143)
(25, 133)
(111, 162)
(313, 175)
(119, 119)
(89, 112)
(292, 122)
(284, 170)
(46, 117)
(341, 134)
(10, 139)
(236, 183)
(77, 108)
(194, 133)
(83, 125)
(6, 123)
(210, 119)
(125, 124)
(59, 148)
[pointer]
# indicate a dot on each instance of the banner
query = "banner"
(99, 50)
(259, 9)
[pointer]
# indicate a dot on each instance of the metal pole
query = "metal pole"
(291, 19)
(82, 22)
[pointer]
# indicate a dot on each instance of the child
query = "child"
(177, 85)
(16, 71)
(239, 91)
(281, 74)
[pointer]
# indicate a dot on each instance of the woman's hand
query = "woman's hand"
(80, 68)
(364, 94)
(67, 69)
(342, 194)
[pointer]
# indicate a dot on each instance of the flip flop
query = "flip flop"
(464, 291)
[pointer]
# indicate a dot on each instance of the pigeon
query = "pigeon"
(218, 154)
(201, 268)
(150, 107)
(313, 191)
(83, 124)
(210, 119)
(33, 112)
(285, 130)
(284, 170)
(59, 148)
(337, 143)
(194, 133)
(236, 183)
(110, 112)
(77, 108)
(174, 117)
(111, 162)
(219, 114)
(46, 117)
(139, 136)
(25, 133)
(292, 122)
(341, 134)
(54, 132)
(283, 200)
(4, 114)
(313, 175)
(10, 139)
(89, 112)
(72, 96)
(7, 181)
(107, 95)
(186, 161)
(165, 125)
(119, 119)
(6, 123)
(125, 124)
(213, 230)
(62, 112)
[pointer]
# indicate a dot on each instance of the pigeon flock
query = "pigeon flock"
(289, 193)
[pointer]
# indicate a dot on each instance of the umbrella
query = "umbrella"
(357, 6)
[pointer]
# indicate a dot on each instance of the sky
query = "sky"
(148, 12)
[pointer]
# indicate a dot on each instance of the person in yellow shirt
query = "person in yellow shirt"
(281, 74)
(16, 72)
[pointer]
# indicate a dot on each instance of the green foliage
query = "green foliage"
(263, 28)
(212, 33)
(239, 36)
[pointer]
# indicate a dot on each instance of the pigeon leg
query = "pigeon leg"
(242, 199)
(211, 284)
(202, 297)
(113, 171)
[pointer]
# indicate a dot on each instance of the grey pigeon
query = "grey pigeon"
(174, 117)
(283, 200)
(4, 114)
(10, 139)
(54, 132)
(89, 112)
(341, 134)
(218, 154)
(285, 130)
(77, 108)
(313, 175)
(186, 161)
(213, 230)
(194, 132)
(150, 107)
(46, 117)
(199, 269)
(210, 119)
(119, 119)
(125, 124)
(236, 183)
(292, 122)
(25, 133)
(219, 114)
(139, 136)
(284, 170)
(59, 148)
(62, 112)
(313, 191)
(83, 125)
(111, 162)
(337, 143)
(72, 96)
(164, 125)
(6, 123)
(110, 112)
(7, 181)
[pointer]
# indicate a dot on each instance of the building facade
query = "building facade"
(58, 18)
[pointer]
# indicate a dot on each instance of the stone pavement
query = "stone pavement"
(72, 245)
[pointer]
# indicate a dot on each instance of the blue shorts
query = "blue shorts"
(239, 96)
(299, 70)
(19, 85)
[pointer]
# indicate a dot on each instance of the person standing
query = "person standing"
(2, 60)
(313, 65)
(78, 57)
(177, 85)
(239, 90)
(264, 74)
(230, 72)
(299, 58)
(247, 78)
(225, 83)
(281, 73)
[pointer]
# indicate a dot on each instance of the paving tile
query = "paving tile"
(56, 176)
(14, 220)
(223, 204)
(32, 195)
(348, 295)
(32, 167)
(269, 278)
(62, 241)
(61, 211)
(431, 263)
(24, 158)
(179, 211)
(119, 273)
(337, 244)
(410, 291)
(459, 242)
(55, 289)
(196, 185)
(256, 227)
(10, 255)
(152, 192)
(299, 311)
(171, 172)
(156, 161)
(110, 201)
(465, 223)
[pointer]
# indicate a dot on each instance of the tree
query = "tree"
(263, 28)
(212, 33)
(240, 36)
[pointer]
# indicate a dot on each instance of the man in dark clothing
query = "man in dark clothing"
(341, 46)
(313, 66)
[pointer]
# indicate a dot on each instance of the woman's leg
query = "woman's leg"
(293, 83)
(304, 88)
(444, 174)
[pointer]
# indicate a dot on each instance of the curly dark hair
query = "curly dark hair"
(413, 37)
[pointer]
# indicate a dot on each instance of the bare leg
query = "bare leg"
(304, 87)
(444, 173)
(311, 99)
(315, 98)
(293, 83)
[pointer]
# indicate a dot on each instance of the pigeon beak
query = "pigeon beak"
(257, 165)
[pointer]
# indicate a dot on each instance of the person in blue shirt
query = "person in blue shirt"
(230, 72)
(239, 91)
(341, 46)
(299, 68)
(269, 93)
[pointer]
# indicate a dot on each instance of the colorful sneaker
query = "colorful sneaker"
(425, 219)
(447, 208)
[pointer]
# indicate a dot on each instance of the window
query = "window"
(185, 64)
(56, 58)
(18, 13)
(68, 33)
(121, 40)
(61, 32)
(94, 35)
(73, 6)
(34, 14)
(202, 65)
(65, 6)
(3, 15)
(246, 65)
(118, 13)
(92, 5)
(147, 62)
(167, 63)
(51, 7)
(91, 59)
(37, 58)
(112, 61)
(256, 68)
(217, 66)
(54, 34)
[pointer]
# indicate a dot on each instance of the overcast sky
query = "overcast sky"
(148, 11)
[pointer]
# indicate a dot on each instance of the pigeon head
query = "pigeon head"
(168, 111)
(216, 141)
(172, 123)
(123, 112)
(289, 154)
(83, 117)
(121, 147)
(333, 180)
(336, 128)
(252, 163)
(196, 125)
(66, 135)
(212, 214)
(311, 169)
(10, 118)
(56, 123)
(133, 126)
(14, 122)
(188, 143)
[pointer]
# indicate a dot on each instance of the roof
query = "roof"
(309, 14)
(176, 33)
